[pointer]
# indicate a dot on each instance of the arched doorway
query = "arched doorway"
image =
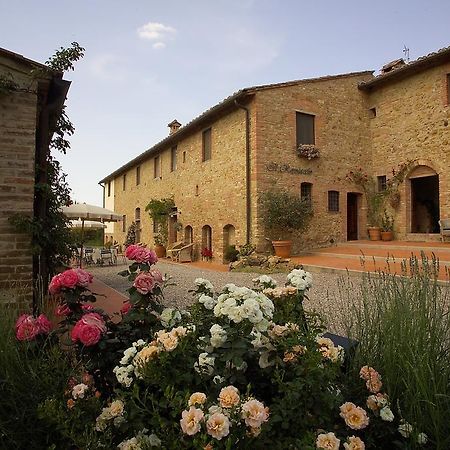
(424, 186)
(188, 235)
(207, 237)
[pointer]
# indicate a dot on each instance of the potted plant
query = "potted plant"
(284, 213)
(387, 227)
(159, 210)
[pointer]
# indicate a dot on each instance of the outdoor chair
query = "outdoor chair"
(444, 224)
(120, 256)
(183, 254)
(172, 249)
(106, 256)
(88, 256)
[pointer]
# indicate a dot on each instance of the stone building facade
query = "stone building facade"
(218, 165)
(27, 100)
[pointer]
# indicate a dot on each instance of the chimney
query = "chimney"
(174, 126)
(393, 65)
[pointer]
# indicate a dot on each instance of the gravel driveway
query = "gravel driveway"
(323, 296)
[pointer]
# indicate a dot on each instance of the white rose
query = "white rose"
(422, 438)
(405, 429)
(386, 414)
(207, 301)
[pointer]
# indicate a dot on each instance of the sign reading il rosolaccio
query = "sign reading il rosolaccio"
(286, 168)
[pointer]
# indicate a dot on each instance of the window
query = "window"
(333, 201)
(173, 159)
(306, 193)
(381, 182)
(137, 220)
(109, 188)
(184, 157)
(155, 226)
(196, 190)
(124, 181)
(206, 145)
(138, 175)
(157, 167)
(373, 113)
(305, 129)
(124, 224)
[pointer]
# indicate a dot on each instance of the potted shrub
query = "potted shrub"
(387, 227)
(159, 211)
(284, 213)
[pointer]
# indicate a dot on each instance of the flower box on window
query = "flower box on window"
(308, 151)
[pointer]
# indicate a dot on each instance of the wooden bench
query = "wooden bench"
(444, 224)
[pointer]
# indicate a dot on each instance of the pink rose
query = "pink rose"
(26, 328)
(62, 310)
(44, 325)
(125, 308)
(89, 329)
(84, 278)
(68, 279)
(141, 254)
(144, 283)
(87, 308)
(55, 285)
(157, 276)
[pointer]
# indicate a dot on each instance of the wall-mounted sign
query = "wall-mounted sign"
(286, 168)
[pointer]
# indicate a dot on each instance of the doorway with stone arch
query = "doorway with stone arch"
(229, 237)
(423, 183)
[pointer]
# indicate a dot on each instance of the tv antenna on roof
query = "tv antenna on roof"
(406, 53)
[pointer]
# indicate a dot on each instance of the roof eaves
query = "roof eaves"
(422, 63)
(29, 62)
(180, 133)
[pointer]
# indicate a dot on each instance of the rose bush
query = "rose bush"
(243, 368)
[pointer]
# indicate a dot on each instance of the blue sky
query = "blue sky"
(149, 62)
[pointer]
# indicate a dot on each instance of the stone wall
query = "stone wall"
(17, 150)
(342, 137)
(411, 122)
(206, 193)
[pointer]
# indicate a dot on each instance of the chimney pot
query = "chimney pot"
(174, 126)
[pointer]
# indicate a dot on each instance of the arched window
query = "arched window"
(188, 235)
(229, 232)
(207, 237)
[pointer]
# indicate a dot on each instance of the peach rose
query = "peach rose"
(190, 421)
(144, 283)
(327, 441)
(228, 397)
(168, 340)
(254, 413)
(354, 443)
(356, 418)
(374, 383)
(197, 398)
(218, 426)
(146, 354)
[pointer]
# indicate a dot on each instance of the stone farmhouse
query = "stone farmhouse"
(31, 98)
(304, 136)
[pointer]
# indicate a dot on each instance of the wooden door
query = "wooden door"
(352, 216)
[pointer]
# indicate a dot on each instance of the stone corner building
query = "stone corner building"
(31, 97)
(217, 165)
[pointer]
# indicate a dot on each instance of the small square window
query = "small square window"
(333, 201)
(381, 183)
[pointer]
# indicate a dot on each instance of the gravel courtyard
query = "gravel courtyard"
(323, 297)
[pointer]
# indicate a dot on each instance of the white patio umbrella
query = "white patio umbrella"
(86, 224)
(85, 212)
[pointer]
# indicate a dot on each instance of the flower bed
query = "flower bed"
(243, 368)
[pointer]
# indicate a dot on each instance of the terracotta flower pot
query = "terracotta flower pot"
(374, 233)
(282, 248)
(387, 235)
(160, 251)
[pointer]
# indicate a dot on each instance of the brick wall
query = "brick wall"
(17, 150)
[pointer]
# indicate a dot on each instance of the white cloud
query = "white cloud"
(154, 31)
(107, 67)
(159, 45)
